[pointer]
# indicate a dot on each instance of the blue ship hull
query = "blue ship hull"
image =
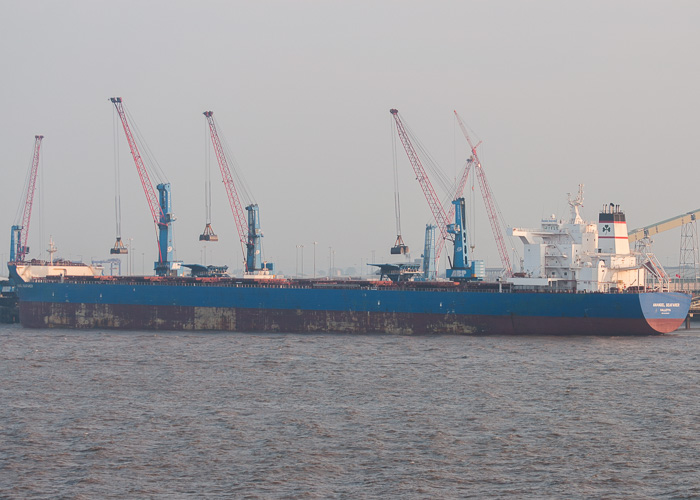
(350, 308)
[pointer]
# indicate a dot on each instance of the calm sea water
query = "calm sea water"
(93, 414)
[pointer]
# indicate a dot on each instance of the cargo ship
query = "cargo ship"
(577, 278)
(345, 307)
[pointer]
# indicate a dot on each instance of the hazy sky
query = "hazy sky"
(603, 93)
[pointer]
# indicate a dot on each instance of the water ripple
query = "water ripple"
(104, 414)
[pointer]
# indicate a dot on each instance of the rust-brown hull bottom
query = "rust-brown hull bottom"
(161, 317)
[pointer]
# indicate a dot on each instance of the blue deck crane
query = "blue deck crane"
(249, 231)
(160, 204)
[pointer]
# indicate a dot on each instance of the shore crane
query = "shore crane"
(664, 225)
(688, 258)
(489, 201)
(249, 231)
(442, 218)
(159, 204)
(20, 231)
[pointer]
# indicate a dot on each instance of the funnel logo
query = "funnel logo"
(606, 228)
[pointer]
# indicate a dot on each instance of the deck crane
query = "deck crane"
(487, 195)
(441, 217)
(249, 233)
(20, 231)
(159, 204)
(422, 177)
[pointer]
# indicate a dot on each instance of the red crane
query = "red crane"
(159, 217)
(442, 218)
(489, 201)
(153, 203)
(239, 213)
(22, 247)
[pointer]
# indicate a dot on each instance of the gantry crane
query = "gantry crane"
(489, 201)
(159, 204)
(249, 233)
(20, 231)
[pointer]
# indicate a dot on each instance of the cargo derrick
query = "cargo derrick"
(249, 232)
(159, 204)
(20, 232)
(489, 201)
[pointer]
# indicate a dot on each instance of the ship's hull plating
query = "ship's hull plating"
(247, 308)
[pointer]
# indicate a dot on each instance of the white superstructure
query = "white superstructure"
(25, 271)
(584, 256)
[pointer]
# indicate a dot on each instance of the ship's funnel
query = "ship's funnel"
(612, 231)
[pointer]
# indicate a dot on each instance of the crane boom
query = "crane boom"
(22, 249)
(664, 225)
(487, 195)
(233, 199)
(151, 196)
(441, 217)
(159, 204)
(248, 226)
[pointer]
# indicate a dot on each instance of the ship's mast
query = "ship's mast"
(575, 204)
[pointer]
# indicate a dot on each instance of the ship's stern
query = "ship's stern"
(665, 312)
